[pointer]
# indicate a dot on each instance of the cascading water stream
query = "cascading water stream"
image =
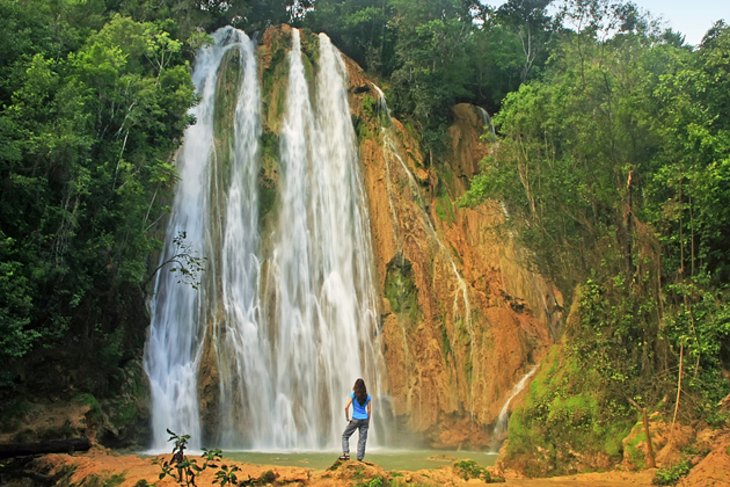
(500, 426)
(487, 121)
(292, 313)
(319, 277)
(241, 341)
(174, 346)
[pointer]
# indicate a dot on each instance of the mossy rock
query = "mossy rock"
(126, 416)
(401, 291)
(229, 81)
(445, 209)
(562, 413)
(268, 178)
(275, 77)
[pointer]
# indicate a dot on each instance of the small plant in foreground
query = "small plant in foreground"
(469, 469)
(183, 469)
(671, 475)
(227, 475)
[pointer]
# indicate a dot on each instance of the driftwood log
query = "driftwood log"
(63, 445)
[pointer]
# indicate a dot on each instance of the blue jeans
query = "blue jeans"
(362, 426)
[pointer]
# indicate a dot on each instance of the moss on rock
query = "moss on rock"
(400, 289)
(565, 424)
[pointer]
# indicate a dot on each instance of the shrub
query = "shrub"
(671, 475)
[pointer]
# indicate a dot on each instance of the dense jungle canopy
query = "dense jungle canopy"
(611, 156)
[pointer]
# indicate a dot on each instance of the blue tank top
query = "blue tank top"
(359, 411)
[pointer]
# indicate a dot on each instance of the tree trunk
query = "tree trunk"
(647, 432)
(64, 445)
(679, 392)
(629, 222)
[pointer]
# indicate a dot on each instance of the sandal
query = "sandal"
(344, 456)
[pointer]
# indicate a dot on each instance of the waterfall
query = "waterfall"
(487, 121)
(177, 331)
(500, 426)
(320, 275)
(241, 342)
(292, 313)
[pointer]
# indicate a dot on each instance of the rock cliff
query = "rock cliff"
(463, 316)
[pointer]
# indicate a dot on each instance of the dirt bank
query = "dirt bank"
(100, 467)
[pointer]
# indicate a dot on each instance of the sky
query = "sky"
(693, 18)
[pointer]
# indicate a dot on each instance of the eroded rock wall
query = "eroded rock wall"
(463, 317)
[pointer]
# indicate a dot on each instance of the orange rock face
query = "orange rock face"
(463, 317)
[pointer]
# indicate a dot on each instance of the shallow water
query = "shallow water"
(388, 459)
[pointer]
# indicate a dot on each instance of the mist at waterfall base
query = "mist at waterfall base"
(289, 317)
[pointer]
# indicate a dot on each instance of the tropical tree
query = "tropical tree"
(89, 139)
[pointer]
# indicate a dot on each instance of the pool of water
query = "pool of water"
(388, 459)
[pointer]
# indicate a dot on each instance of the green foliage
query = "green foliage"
(184, 470)
(432, 64)
(613, 169)
(358, 28)
(562, 168)
(700, 323)
(634, 453)
(377, 482)
(615, 335)
(104, 481)
(445, 209)
(566, 410)
(689, 187)
(672, 475)
(469, 469)
(88, 127)
(16, 336)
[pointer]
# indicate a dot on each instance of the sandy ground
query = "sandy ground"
(104, 465)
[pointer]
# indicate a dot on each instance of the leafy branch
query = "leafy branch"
(185, 470)
(185, 261)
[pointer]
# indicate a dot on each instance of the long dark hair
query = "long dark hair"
(361, 392)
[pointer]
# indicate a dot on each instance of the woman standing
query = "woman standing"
(361, 411)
